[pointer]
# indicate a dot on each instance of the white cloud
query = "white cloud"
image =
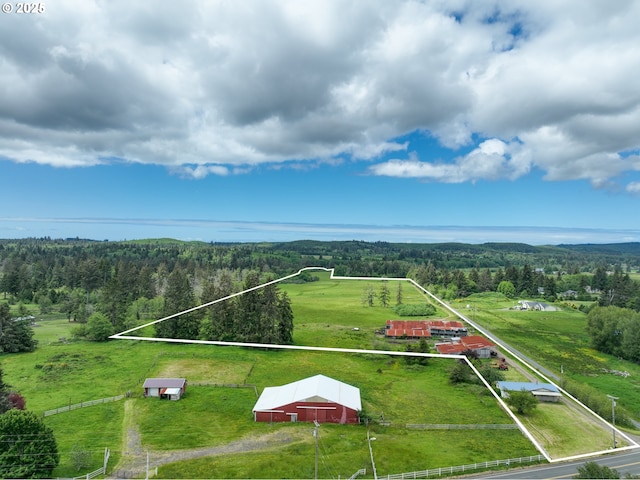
(634, 188)
(219, 87)
(492, 160)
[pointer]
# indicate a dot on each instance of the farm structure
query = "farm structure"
(424, 328)
(318, 398)
(538, 306)
(544, 392)
(477, 344)
(167, 388)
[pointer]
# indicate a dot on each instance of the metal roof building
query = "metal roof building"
(545, 392)
(170, 388)
(318, 398)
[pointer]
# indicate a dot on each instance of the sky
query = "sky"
(264, 120)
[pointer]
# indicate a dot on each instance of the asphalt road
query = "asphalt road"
(626, 462)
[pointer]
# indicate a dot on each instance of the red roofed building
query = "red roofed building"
(480, 345)
(424, 328)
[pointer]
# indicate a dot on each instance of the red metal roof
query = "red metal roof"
(420, 328)
(475, 342)
(450, 348)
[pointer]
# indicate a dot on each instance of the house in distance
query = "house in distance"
(318, 398)
(167, 388)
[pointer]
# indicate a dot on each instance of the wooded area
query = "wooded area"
(126, 284)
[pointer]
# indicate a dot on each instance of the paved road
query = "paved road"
(624, 462)
(627, 462)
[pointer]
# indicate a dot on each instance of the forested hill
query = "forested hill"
(122, 279)
(348, 257)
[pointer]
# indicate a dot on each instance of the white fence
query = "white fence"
(362, 471)
(437, 472)
(82, 405)
(91, 475)
(101, 471)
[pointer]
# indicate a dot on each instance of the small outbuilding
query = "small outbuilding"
(318, 398)
(168, 388)
(544, 392)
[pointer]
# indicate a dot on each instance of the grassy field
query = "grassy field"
(558, 340)
(327, 313)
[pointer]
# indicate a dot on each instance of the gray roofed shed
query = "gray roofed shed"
(171, 388)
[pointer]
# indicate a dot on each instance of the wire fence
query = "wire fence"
(481, 426)
(75, 406)
(227, 385)
(437, 472)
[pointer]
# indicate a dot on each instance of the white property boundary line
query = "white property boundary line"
(503, 405)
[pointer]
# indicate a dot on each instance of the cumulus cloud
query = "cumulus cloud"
(491, 160)
(216, 88)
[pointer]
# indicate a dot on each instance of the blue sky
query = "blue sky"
(392, 120)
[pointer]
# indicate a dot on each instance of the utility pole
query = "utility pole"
(613, 417)
(315, 434)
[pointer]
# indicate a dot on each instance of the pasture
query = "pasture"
(327, 313)
(557, 340)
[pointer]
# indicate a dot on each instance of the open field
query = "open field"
(557, 340)
(326, 314)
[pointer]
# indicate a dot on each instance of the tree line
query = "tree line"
(113, 286)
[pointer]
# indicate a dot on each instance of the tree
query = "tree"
(368, 295)
(218, 323)
(524, 402)
(384, 294)
(491, 374)
(15, 335)
(28, 447)
(80, 457)
(99, 328)
(593, 470)
(485, 282)
(460, 372)
(5, 403)
(421, 347)
(399, 294)
(178, 298)
(247, 314)
(507, 289)
(285, 324)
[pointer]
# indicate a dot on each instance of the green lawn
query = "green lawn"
(327, 313)
(559, 342)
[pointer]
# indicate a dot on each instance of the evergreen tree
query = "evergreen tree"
(247, 314)
(28, 447)
(384, 294)
(178, 298)
(527, 283)
(285, 322)
(485, 282)
(269, 315)
(218, 322)
(15, 335)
